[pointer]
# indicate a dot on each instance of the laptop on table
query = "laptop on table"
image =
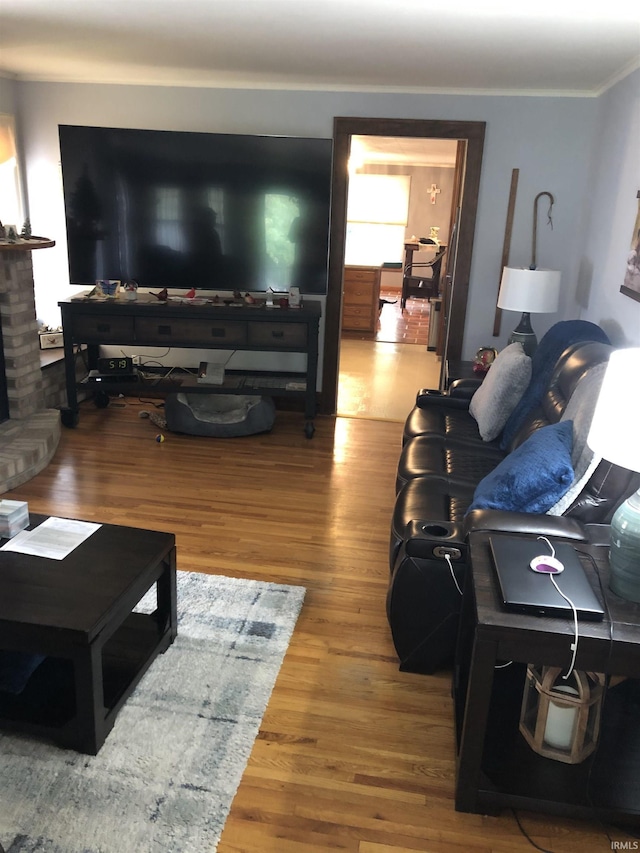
(524, 591)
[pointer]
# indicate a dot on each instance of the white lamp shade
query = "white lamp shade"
(615, 428)
(532, 291)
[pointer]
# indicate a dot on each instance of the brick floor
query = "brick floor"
(412, 327)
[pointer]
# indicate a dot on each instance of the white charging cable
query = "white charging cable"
(551, 566)
(453, 574)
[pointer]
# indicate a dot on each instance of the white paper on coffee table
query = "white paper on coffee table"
(55, 538)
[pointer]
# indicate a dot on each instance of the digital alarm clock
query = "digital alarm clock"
(120, 364)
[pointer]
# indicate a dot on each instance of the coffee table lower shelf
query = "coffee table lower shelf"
(47, 707)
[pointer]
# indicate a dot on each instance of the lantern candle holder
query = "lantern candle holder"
(560, 719)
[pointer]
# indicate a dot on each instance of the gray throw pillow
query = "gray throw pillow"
(500, 393)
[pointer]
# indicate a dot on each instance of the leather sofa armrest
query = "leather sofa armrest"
(428, 397)
(501, 521)
(464, 387)
(598, 534)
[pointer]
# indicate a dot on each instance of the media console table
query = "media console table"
(148, 321)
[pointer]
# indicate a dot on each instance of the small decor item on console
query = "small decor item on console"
(484, 359)
(294, 297)
(277, 298)
(162, 296)
(131, 290)
(106, 288)
(109, 286)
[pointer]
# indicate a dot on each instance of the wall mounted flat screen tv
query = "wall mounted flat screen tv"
(211, 211)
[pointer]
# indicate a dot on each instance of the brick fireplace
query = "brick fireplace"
(30, 432)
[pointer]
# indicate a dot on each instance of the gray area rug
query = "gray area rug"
(166, 776)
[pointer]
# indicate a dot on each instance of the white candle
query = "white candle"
(558, 731)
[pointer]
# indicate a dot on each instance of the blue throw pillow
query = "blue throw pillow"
(534, 476)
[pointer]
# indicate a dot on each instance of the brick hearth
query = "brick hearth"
(30, 437)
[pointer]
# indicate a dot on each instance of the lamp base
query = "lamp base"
(524, 334)
(624, 557)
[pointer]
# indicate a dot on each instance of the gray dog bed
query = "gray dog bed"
(219, 415)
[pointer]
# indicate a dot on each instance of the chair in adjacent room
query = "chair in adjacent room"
(421, 279)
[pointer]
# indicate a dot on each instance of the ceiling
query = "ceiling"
(402, 150)
(565, 47)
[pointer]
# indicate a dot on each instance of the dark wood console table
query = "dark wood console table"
(150, 322)
(496, 768)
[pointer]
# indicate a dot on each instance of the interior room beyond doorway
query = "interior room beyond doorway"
(400, 189)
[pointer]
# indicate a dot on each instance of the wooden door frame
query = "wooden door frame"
(472, 132)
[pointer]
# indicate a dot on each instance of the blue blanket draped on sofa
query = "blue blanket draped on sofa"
(552, 345)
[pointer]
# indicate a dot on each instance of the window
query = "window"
(377, 212)
(11, 212)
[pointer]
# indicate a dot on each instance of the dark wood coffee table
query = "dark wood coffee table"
(78, 612)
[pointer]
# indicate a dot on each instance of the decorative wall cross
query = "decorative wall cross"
(433, 189)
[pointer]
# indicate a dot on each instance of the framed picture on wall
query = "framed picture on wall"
(631, 285)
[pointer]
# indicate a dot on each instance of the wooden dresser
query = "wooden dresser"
(361, 298)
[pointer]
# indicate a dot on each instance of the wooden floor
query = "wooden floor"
(379, 380)
(353, 755)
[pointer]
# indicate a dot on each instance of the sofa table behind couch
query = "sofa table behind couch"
(496, 768)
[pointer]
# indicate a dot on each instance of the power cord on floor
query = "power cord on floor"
(545, 850)
(158, 404)
(527, 836)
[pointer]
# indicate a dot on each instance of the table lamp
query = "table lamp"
(615, 436)
(532, 290)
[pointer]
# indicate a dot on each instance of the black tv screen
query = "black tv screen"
(204, 210)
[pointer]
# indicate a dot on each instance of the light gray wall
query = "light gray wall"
(551, 141)
(7, 95)
(612, 209)
(422, 213)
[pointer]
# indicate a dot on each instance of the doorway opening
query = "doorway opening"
(469, 137)
(400, 204)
